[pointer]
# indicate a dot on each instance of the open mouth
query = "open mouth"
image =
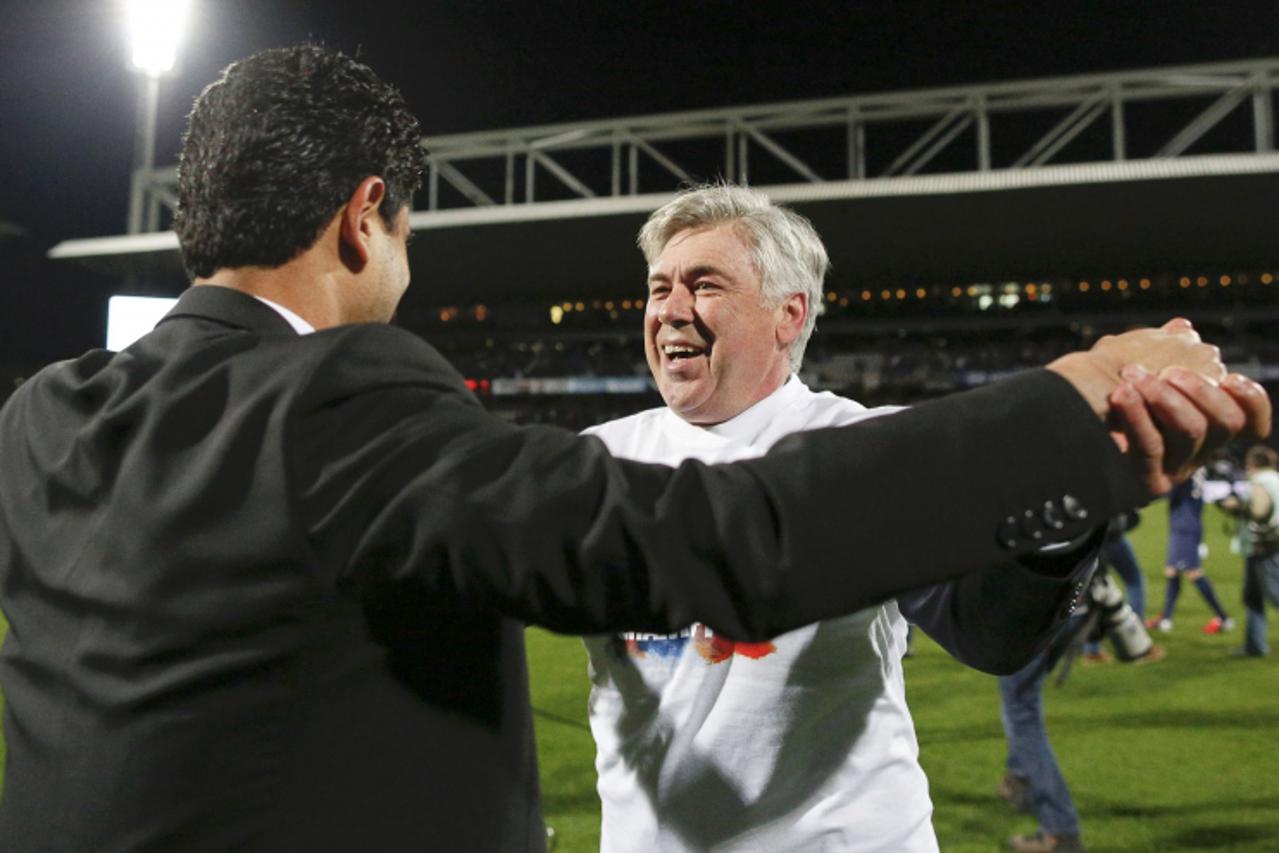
(676, 352)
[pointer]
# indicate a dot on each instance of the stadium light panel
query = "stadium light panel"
(155, 29)
(131, 317)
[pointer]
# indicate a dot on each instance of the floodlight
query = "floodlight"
(155, 28)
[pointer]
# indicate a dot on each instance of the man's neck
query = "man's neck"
(314, 298)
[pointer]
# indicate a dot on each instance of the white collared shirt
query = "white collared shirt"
(302, 327)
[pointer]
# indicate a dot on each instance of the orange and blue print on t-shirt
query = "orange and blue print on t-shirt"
(710, 646)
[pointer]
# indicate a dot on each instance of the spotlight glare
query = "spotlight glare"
(155, 28)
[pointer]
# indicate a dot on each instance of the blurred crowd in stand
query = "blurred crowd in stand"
(871, 366)
(518, 357)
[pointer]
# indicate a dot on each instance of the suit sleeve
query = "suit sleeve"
(998, 618)
(407, 484)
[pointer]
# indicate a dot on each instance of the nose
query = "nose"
(677, 307)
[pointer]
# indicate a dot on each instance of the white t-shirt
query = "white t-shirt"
(804, 743)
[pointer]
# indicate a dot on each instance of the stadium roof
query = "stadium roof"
(1130, 219)
(1120, 173)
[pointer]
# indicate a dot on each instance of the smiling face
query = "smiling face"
(713, 345)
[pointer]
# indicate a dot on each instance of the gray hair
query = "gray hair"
(786, 252)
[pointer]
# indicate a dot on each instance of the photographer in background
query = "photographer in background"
(1033, 781)
(1117, 553)
(1259, 542)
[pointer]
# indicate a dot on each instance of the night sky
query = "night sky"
(68, 101)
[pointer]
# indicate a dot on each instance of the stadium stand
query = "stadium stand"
(578, 362)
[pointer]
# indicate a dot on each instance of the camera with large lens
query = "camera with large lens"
(1103, 615)
(1114, 620)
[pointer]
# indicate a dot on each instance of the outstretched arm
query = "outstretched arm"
(1166, 423)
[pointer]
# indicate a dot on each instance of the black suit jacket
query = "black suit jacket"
(267, 591)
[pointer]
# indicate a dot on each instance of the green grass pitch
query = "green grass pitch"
(1178, 755)
(1182, 754)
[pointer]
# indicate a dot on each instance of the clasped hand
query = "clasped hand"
(1167, 399)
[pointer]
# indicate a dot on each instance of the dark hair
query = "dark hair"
(1260, 456)
(274, 148)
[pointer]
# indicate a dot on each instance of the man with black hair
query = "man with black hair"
(267, 570)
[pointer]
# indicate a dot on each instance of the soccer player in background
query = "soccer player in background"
(1185, 556)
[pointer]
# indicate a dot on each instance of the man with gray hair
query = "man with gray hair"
(804, 742)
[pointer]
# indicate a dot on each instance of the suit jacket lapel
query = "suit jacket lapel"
(230, 307)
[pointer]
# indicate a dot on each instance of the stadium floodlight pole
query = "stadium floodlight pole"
(155, 28)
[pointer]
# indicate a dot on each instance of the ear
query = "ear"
(359, 216)
(792, 313)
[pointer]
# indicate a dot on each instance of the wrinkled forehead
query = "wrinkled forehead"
(726, 243)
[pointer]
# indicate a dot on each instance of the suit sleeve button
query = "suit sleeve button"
(1008, 532)
(1031, 526)
(1073, 508)
(1051, 516)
